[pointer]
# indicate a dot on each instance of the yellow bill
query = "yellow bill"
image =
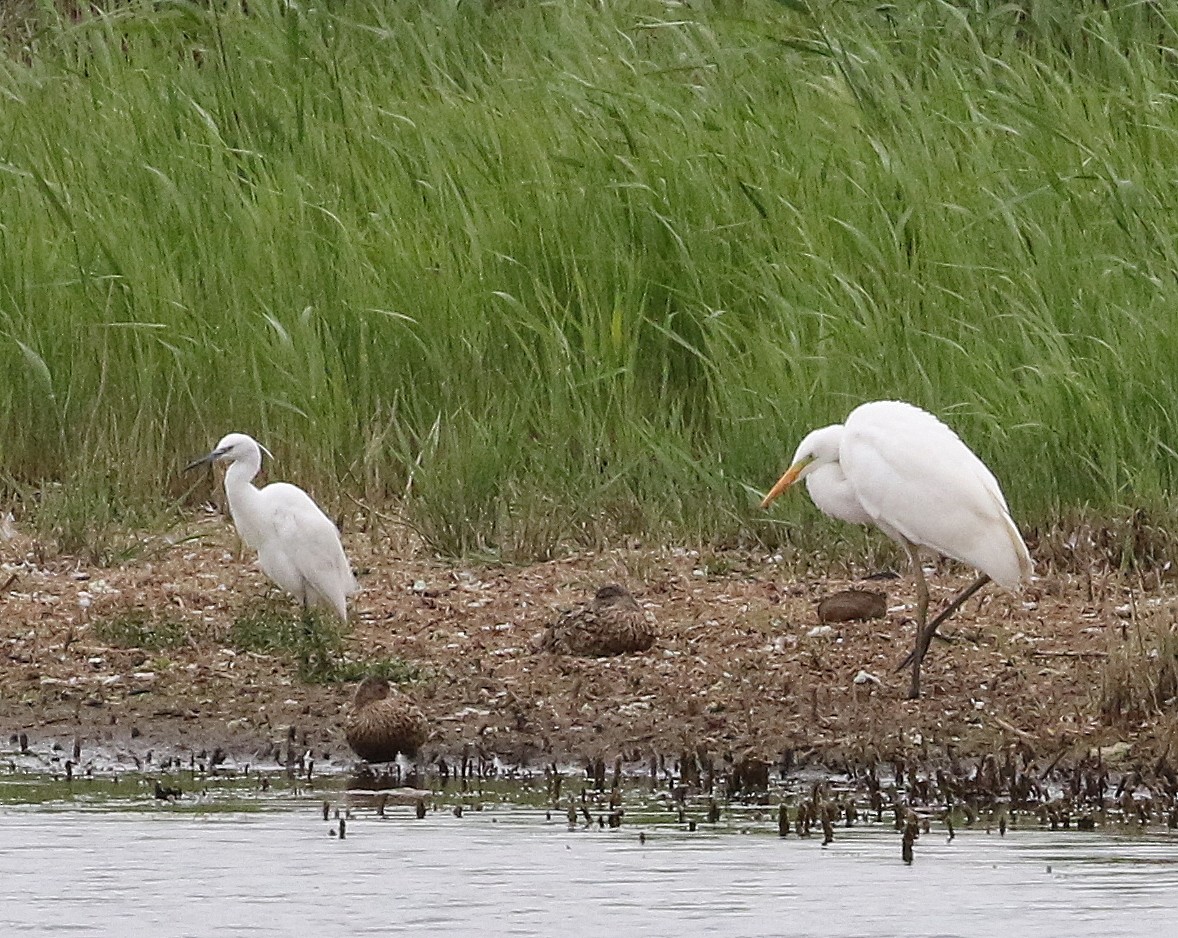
(790, 477)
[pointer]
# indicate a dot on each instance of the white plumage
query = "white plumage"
(298, 545)
(900, 468)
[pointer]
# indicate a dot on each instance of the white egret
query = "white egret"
(898, 467)
(298, 545)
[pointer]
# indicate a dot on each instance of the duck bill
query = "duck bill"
(790, 477)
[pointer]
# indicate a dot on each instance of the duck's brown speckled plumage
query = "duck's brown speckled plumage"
(612, 623)
(383, 722)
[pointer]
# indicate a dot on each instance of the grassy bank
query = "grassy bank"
(554, 272)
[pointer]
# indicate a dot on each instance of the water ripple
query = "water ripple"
(507, 872)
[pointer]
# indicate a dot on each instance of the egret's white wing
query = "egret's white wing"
(916, 477)
(310, 543)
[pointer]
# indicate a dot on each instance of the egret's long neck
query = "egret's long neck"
(243, 496)
(834, 495)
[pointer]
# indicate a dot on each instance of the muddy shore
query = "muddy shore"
(741, 666)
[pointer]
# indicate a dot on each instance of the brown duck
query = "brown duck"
(612, 623)
(383, 722)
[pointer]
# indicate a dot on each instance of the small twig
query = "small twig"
(1069, 654)
(1011, 728)
(1064, 748)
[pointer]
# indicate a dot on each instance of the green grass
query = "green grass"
(555, 273)
(141, 630)
(317, 644)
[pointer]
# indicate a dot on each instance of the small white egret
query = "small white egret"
(298, 545)
(898, 467)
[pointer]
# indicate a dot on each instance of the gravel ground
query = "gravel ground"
(741, 666)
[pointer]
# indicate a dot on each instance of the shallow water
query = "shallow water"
(99, 861)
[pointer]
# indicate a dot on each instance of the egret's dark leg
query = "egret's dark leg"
(306, 614)
(931, 629)
(312, 653)
(921, 617)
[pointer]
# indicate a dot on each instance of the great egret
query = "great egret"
(612, 623)
(898, 467)
(383, 722)
(298, 545)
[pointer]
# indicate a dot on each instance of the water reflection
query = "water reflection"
(509, 871)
